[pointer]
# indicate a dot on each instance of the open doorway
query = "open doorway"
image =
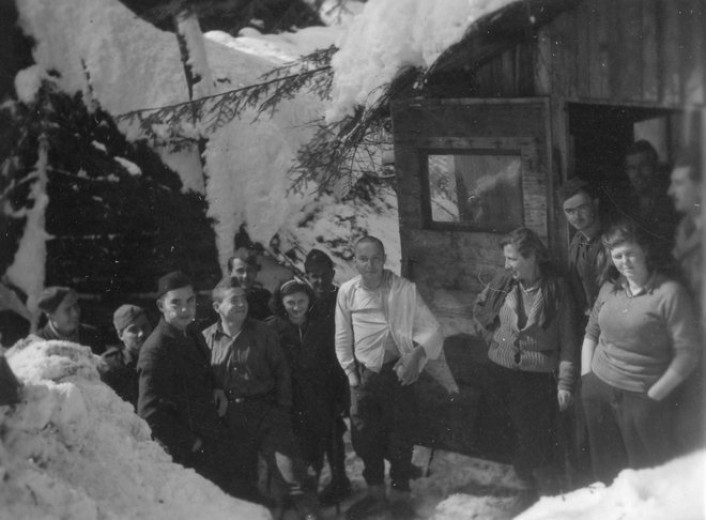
(600, 135)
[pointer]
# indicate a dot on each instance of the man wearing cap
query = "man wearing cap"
(120, 369)
(586, 257)
(60, 306)
(177, 394)
(319, 273)
(244, 266)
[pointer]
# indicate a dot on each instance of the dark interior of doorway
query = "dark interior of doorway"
(600, 135)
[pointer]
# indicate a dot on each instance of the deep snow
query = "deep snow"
(73, 450)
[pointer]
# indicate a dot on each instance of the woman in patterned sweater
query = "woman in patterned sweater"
(527, 314)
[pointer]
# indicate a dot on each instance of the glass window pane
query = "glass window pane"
(480, 191)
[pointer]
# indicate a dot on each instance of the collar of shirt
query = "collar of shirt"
(647, 288)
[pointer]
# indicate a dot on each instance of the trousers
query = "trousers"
(382, 413)
(625, 429)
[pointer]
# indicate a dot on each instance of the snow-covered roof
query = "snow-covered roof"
(497, 31)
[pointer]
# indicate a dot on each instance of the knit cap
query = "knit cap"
(125, 315)
(172, 281)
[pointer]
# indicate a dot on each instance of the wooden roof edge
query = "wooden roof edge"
(495, 32)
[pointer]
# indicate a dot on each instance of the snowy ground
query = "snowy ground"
(73, 450)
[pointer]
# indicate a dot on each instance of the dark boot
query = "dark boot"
(335, 492)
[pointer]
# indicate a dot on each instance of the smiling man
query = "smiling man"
(384, 335)
(250, 366)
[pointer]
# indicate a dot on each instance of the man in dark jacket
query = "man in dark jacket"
(120, 370)
(319, 273)
(250, 366)
(586, 256)
(178, 398)
(244, 266)
(60, 306)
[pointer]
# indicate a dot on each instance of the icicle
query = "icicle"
(28, 269)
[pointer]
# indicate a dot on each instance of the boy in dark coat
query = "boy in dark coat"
(178, 398)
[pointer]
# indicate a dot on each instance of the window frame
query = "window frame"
(522, 147)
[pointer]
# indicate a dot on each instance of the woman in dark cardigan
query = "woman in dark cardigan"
(526, 313)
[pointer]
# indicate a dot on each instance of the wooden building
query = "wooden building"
(535, 93)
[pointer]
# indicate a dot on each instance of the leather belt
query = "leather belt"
(247, 398)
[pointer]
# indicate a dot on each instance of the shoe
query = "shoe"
(335, 492)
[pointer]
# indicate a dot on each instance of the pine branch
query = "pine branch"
(312, 72)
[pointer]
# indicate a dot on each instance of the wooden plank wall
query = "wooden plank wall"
(642, 52)
(451, 267)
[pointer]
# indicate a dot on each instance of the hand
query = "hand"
(353, 381)
(198, 445)
(219, 397)
(565, 399)
(408, 368)
(655, 395)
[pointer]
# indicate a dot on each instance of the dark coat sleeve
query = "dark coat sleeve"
(156, 403)
(280, 370)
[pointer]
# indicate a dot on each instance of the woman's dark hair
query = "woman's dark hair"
(527, 242)
(628, 232)
(285, 289)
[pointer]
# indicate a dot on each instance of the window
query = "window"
(475, 190)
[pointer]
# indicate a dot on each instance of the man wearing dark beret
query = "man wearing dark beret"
(120, 368)
(177, 394)
(60, 306)
(244, 266)
(319, 273)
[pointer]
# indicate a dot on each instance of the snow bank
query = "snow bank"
(73, 449)
(388, 36)
(674, 490)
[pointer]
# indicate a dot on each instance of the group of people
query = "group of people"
(635, 380)
(274, 383)
(273, 377)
